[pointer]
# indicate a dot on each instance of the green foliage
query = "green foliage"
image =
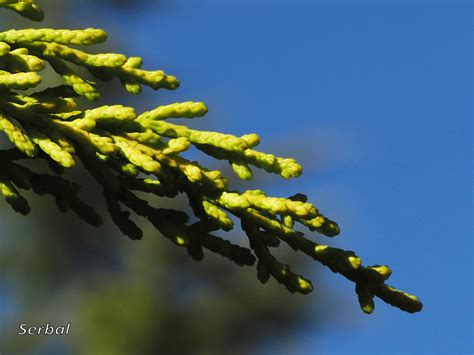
(128, 152)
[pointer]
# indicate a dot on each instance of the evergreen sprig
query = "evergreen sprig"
(128, 152)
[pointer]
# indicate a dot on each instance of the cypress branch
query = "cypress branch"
(127, 152)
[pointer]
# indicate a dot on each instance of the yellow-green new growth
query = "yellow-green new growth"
(26, 8)
(128, 152)
(4, 49)
(20, 81)
(13, 198)
(17, 136)
(55, 151)
(19, 60)
(84, 37)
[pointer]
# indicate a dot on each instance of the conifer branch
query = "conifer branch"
(127, 152)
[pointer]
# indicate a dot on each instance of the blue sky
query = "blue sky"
(375, 98)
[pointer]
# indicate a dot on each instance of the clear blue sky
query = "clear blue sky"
(375, 97)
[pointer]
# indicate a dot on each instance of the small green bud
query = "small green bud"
(241, 169)
(252, 140)
(382, 270)
(19, 81)
(17, 136)
(4, 49)
(175, 146)
(58, 154)
(26, 8)
(16, 62)
(136, 157)
(14, 199)
(218, 215)
(366, 298)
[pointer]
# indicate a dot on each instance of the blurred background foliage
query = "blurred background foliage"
(127, 297)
